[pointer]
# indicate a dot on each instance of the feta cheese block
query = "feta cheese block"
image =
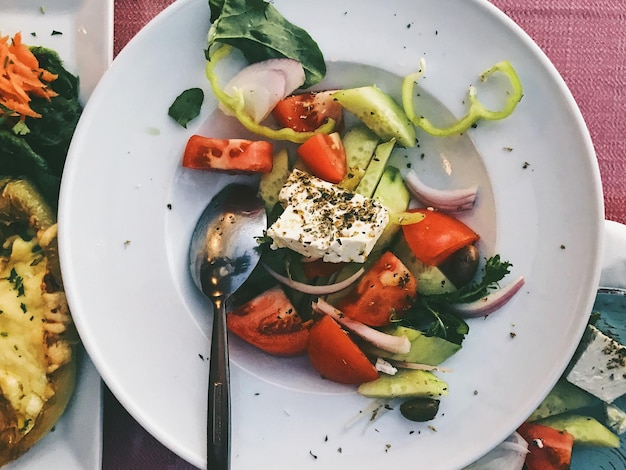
(322, 220)
(600, 366)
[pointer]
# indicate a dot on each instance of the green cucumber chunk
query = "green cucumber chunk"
(271, 183)
(587, 431)
(394, 195)
(430, 279)
(375, 169)
(406, 383)
(380, 112)
(359, 144)
(430, 350)
(562, 398)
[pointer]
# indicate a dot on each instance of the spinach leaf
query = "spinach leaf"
(186, 106)
(66, 84)
(257, 29)
(51, 135)
(216, 9)
(17, 159)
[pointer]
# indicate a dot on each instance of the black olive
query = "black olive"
(461, 266)
(420, 409)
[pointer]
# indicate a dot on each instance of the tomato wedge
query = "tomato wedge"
(387, 289)
(270, 322)
(437, 236)
(305, 112)
(232, 155)
(325, 156)
(336, 357)
(548, 448)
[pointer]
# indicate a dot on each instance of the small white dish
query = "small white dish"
(83, 37)
(127, 211)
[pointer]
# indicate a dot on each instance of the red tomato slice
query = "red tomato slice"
(208, 153)
(336, 357)
(548, 448)
(306, 112)
(270, 322)
(437, 236)
(325, 156)
(387, 288)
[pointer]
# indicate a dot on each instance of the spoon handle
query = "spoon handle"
(218, 419)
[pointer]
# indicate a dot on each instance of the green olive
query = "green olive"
(461, 266)
(420, 409)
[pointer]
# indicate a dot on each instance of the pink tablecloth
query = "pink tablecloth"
(585, 40)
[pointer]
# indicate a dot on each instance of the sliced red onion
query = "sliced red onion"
(263, 84)
(390, 343)
(315, 290)
(449, 200)
(490, 303)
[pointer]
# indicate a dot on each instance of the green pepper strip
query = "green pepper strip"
(476, 111)
(236, 105)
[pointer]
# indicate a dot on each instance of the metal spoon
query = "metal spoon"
(222, 254)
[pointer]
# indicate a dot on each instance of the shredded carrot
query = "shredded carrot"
(21, 78)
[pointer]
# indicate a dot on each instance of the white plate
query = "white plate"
(127, 211)
(86, 47)
(85, 41)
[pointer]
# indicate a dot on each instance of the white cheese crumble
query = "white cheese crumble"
(601, 367)
(321, 220)
(615, 419)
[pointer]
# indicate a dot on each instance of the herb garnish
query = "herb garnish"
(186, 106)
(17, 281)
(431, 313)
(257, 29)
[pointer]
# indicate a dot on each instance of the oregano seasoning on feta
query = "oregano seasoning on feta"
(321, 220)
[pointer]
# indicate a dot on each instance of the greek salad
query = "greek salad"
(364, 268)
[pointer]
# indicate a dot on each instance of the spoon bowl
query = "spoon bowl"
(222, 254)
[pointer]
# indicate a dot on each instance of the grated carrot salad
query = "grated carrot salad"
(21, 77)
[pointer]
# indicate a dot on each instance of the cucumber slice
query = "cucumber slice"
(359, 144)
(272, 182)
(406, 383)
(586, 430)
(431, 350)
(562, 398)
(378, 111)
(394, 195)
(375, 169)
(430, 279)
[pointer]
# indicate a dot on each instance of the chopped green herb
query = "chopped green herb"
(17, 281)
(186, 106)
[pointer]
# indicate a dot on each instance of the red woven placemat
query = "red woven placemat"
(586, 41)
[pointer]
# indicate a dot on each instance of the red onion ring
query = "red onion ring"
(490, 303)
(390, 343)
(450, 200)
(315, 290)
